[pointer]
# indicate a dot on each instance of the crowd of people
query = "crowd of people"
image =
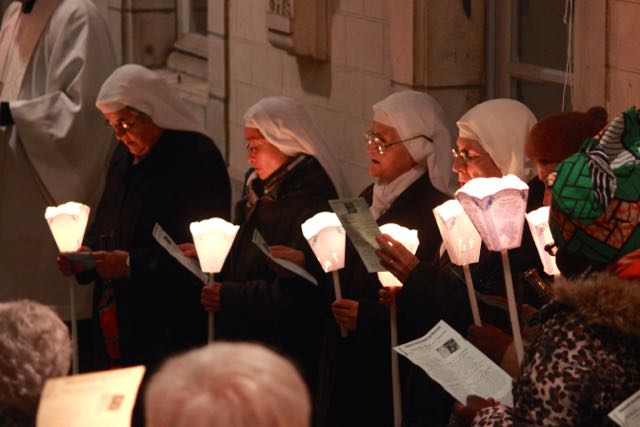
(282, 359)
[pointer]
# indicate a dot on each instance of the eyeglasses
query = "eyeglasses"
(121, 126)
(253, 149)
(462, 155)
(372, 137)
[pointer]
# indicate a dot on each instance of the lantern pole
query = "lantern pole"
(511, 300)
(74, 325)
(338, 292)
(395, 370)
(210, 322)
(472, 295)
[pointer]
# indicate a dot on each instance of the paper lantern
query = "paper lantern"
(460, 237)
(496, 207)
(327, 239)
(213, 239)
(408, 238)
(539, 225)
(68, 223)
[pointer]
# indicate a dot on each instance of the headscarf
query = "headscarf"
(501, 127)
(595, 212)
(284, 122)
(413, 113)
(135, 86)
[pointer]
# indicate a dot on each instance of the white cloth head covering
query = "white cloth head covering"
(414, 113)
(284, 123)
(135, 86)
(501, 127)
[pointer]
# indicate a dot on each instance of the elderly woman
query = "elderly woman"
(586, 359)
(35, 346)
(167, 171)
(409, 147)
(228, 384)
(292, 176)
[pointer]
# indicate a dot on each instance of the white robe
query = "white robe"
(58, 149)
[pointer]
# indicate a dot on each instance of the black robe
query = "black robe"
(182, 179)
(357, 373)
(258, 305)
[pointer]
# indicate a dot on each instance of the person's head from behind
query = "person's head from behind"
(227, 384)
(558, 136)
(595, 209)
(139, 105)
(34, 346)
(410, 130)
(491, 140)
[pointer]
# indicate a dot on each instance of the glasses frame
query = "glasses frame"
(372, 137)
(462, 155)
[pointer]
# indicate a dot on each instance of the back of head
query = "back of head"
(411, 114)
(556, 137)
(34, 346)
(138, 87)
(284, 122)
(595, 212)
(227, 384)
(501, 127)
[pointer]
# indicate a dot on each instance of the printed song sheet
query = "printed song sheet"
(627, 414)
(102, 399)
(362, 229)
(167, 242)
(457, 365)
(293, 267)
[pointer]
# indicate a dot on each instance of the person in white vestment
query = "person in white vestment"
(54, 146)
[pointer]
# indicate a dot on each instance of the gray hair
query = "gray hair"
(34, 346)
(227, 384)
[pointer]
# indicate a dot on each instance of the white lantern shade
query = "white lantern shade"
(213, 239)
(408, 238)
(68, 223)
(496, 208)
(539, 225)
(327, 239)
(459, 235)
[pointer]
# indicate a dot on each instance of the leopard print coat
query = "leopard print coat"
(584, 362)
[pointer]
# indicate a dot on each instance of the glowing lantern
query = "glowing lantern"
(213, 239)
(539, 225)
(496, 207)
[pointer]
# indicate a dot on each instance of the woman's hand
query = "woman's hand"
(466, 414)
(210, 296)
(69, 268)
(189, 250)
(397, 259)
(345, 312)
(290, 254)
(111, 264)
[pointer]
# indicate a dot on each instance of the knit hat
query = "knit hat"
(556, 137)
(595, 213)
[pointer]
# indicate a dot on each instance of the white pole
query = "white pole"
(472, 295)
(513, 312)
(210, 331)
(74, 325)
(338, 292)
(395, 370)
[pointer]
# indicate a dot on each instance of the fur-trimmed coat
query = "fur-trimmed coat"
(584, 362)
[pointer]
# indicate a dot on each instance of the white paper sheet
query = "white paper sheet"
(167, 242)
(362, 229)
(101, 399)
(627, 414)
(292, 267)
(457, 365)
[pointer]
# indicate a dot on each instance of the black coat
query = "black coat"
(357, 368)
(182, 179)
(257, 304)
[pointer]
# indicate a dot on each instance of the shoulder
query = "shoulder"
(309, 179)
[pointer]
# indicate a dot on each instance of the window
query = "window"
(527, 53)
(192, 17)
